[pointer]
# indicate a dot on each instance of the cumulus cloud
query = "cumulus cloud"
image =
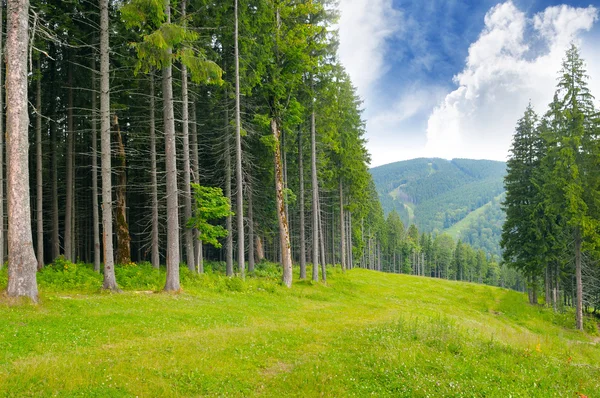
(515, 60)
(364, 27)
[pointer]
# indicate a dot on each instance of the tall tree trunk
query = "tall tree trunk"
(228, 220)
(578, 280)
(302, 222)
(1, 140)
(315, 197)
(238, 154)
(342, 229)
(123, 237)
(350, 255)
(172, 282)
(154, 237)
(251, 257)
(110, 282)
(284, 234)
(39, 166)
(260, 250)
(196, 178)
(55, 209)
(322, 242)
(70, 181)
(187, 189)
(22, 264)
(95, 214)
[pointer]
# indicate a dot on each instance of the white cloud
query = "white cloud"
(364, 27)
(506, 68)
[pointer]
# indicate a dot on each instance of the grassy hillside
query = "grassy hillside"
(443, 193)
(362, 334)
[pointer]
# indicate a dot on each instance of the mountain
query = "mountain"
(461, 197)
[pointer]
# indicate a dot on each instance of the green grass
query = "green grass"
(362, 334)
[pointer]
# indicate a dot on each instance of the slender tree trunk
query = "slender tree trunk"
(39, 166)
(322, 242)
(284, 234)
(123, 237)
(22, 264)
(260, 250)
(196, 178)
(187, 192)
(1, 139)
(578, 281)
(251, 257)
(302, 222)
(154, 239)
(238, 154)
(95, 214)
(228, 220)
(55, 210)
(315, 197)
(69, 183)
(342, 229)
(110, 282)
(172, 283)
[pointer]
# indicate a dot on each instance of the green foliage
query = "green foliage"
(210, 205)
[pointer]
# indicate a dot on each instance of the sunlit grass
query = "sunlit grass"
(364, 333)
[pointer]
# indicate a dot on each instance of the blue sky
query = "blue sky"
(450, 78)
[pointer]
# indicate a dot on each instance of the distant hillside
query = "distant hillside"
(461, 196)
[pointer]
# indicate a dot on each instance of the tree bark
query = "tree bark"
(95, 214)
(70, 182)
(238, 154)
(321, 241)
(228, 220)
(154, 235)
(187, 189)
(342, 227)
(251, 257)
(196, 178)
(110, 282)
(578, 280)
(1, 140)
(315, 198)
(260, 250)
(38, 170)
(302, 222)
(123, 237)
(22, 264)
(172, 282)
(284, 234)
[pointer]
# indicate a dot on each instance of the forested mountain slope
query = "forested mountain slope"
(461, 195)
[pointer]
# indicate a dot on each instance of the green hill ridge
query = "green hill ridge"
(363, 334)
(437, 195)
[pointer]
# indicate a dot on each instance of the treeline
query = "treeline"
(552, 230)
(435, 255)
(131, 102)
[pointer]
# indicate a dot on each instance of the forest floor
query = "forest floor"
(363, 333)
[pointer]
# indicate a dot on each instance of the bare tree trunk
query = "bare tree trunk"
(187, 192)
(260, 250)
(196, 178)
(96, 216)
(238, 154)
(22, 264)
(350, 255)
(342, 229)
(250, 232)
(1, 140)
(302, 222)
(172, 283)
(155, 257)
(110, 282)
(322, 242)
(578, 281)
(123, 237)
(284, 234)
(69, 183)
(315, 197)
(39, 166)
(228, 220)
